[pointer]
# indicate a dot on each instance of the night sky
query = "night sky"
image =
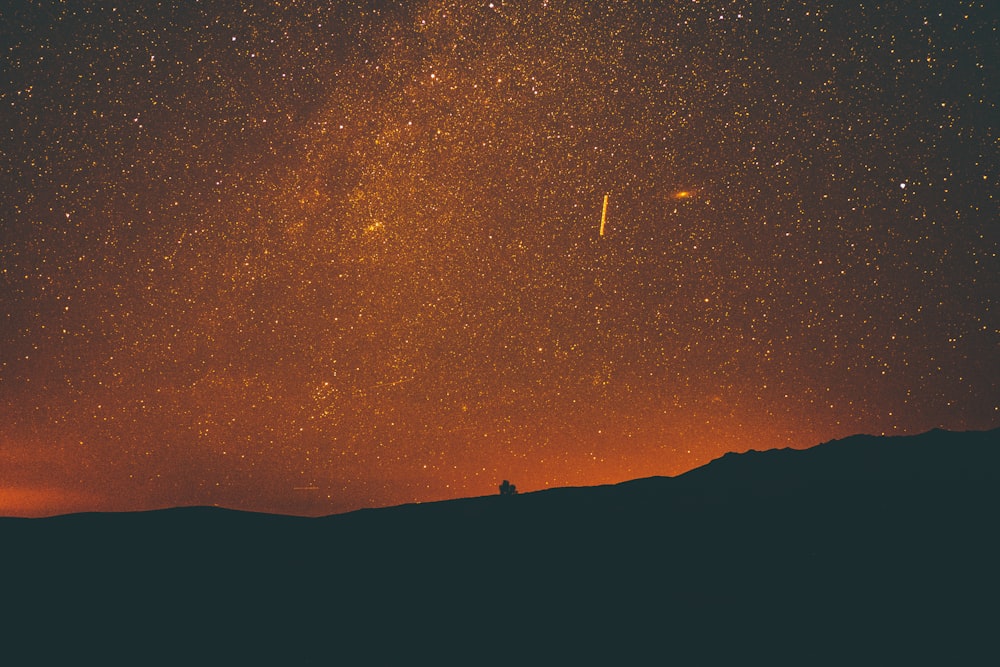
(311, 256)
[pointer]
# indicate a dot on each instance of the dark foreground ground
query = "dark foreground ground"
(862, 551)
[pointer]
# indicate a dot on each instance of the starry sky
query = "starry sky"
(307, 257)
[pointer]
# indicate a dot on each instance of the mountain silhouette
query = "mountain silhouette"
(872, 550)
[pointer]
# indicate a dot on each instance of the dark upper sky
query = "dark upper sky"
(313, 256)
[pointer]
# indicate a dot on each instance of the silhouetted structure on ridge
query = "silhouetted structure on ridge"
(508, 489)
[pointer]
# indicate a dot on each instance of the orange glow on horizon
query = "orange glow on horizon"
(42, 501)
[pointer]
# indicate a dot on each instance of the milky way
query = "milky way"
(308, 257)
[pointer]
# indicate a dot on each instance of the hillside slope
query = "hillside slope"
(869, 549)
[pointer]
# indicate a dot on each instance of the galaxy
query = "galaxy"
(307, 257)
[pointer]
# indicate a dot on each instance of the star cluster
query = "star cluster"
(306, 257)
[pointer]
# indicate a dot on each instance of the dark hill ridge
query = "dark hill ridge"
(876, 464)
(874, 550)
(935, 455)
